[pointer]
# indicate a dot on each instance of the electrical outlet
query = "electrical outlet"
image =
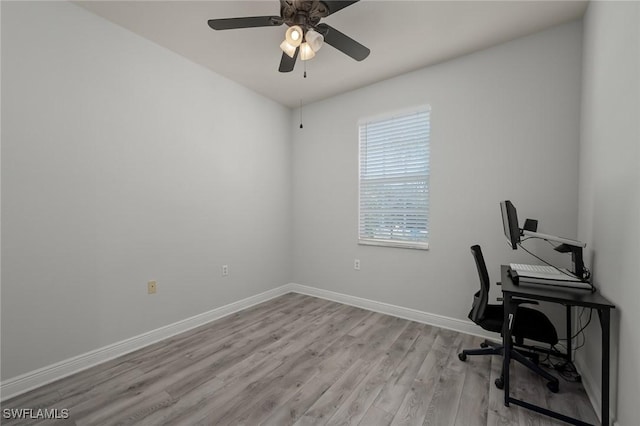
(152, 287)
(225, 270)
(356, 264)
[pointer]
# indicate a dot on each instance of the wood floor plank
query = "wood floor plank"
(393, 392)
(197, 397)
(236, 395)
(522, 389)
(179, 346)
(327, 373)
(82, 382)
(376, 343)
(126, 407)
(167, 373)
(50, 397)
(499, 414)
(571, 400)
(281, 389)
(221, 327)
(356, 405)
(415, 404)
(473, 407)
(376, 417)
(242, 347)
(445, 401)
(302, 360)
(232, 377)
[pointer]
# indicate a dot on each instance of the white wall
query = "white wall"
(123, 162)
(505, 125)
(609, 219)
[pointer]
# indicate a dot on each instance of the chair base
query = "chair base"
(526, 358)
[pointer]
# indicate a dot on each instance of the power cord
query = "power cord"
(566, 369)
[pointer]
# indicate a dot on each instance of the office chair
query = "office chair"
(528, 324)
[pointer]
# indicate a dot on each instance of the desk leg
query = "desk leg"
(569, 334)
(506, 342)
(605, 323)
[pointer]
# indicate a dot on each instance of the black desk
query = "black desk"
(569, 298)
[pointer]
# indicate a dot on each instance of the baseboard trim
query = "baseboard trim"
(34, 379)
(449, 323)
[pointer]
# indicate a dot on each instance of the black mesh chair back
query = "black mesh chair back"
(481, 298)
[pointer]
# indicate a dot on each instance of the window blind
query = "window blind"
(394, 180)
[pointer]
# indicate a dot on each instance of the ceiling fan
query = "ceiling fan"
(305, 34)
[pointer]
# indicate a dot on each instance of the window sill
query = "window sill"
(394, 244)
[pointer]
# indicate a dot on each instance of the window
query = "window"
(394, 180)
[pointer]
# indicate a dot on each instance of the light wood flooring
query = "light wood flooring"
(306, 361)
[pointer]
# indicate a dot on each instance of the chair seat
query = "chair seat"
(529, 324)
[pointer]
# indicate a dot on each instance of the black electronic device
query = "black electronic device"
(510, 223)
(530, 225)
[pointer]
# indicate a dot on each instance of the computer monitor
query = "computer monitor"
(510, 223)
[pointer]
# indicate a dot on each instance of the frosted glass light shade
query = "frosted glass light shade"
(306, 52)
(288, 48)
(314, 39)
(294, 36)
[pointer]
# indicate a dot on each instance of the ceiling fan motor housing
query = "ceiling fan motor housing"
(305, 13)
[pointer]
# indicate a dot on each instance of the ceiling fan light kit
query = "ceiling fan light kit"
(306, 52)
(305, 35)
(288, 48)
(314, 39)
(294, 35)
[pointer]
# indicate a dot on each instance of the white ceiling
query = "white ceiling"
(403, 36)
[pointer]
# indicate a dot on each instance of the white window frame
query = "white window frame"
(390, 242)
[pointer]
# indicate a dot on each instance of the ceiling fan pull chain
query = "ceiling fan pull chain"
(301, 114)
(305, 69)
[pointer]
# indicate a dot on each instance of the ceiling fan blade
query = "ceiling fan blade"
(287, 63)
(343, 42)
(247, 22)
(336, 5)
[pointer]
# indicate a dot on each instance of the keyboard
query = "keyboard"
(547, 275)
(538, 269)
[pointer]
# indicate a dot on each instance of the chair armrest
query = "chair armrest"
(519, 302)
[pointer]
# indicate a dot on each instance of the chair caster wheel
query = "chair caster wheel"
(553, 386)
(462, 356)
(499, 383)
(484, 345)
